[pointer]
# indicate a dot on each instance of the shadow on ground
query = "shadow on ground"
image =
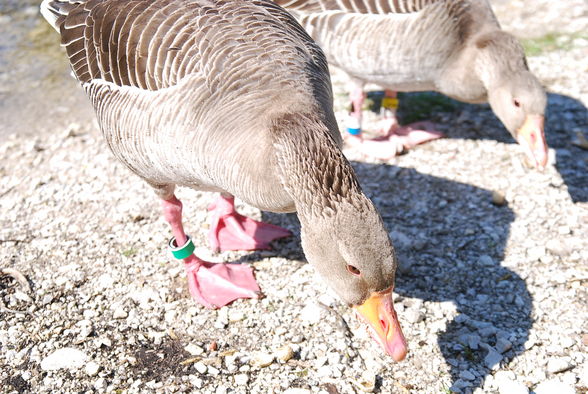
(566, 118)
(450, 239)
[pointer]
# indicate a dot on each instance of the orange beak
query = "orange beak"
(378, 311)
(532, 139)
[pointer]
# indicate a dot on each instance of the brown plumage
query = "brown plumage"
(230, 96)
(455, 47)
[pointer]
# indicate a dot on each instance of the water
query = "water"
(37, 92)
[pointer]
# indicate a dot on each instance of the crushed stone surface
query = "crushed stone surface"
(491, 291)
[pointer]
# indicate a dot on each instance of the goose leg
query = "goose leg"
(232, 231)
(410, 135)
(211, 284)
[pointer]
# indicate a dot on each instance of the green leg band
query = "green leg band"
(184, 251)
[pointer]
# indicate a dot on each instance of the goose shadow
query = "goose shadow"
(566, 119)
(450, 240)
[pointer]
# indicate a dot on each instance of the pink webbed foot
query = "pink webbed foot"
(232, 231)
(217, 284)
(413, 134)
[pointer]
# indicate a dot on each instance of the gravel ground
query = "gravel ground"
(491, 292)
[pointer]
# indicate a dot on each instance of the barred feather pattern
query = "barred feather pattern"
(181, 85)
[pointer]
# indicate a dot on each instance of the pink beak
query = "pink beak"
(532, 138)
(378, 311)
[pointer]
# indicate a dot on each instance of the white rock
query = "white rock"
(235, 316)
(262, 359)
(119, 313)
(92, 368)
(413, 316)
(213, 371)
(554, 386)
(194, 350)
(324, 371)
(507, 386)
(241, 379)
(284, 353)
(556, 365)
(65, 358)
(583, 374)
(311, 313)
(200, 367)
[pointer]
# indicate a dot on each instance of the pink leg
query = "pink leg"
(210, 284)
(395, 138)
(231, 231)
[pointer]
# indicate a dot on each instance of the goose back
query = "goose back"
(186, 91)
(405, 45)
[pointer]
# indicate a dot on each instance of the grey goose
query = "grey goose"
(232, 96)
(455, 47)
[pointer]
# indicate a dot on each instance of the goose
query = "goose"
(455, 47)
(232, 97)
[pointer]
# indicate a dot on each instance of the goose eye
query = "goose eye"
(516, 103)
(353, 270)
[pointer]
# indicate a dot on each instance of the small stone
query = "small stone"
(212, 346)
(498, 198)
(536, 252)
(119, 313)
(556, 365)
(413, 316)
(486, 261)
(100, 384)
(311, 313)
(213, 371)
(260, 359)
(503, 345)
(235, 316)
(92, 368)
(467, 375)
(65, 358)
(324, 371)
(284, 353)
(194, 350)
(492, 359)
(366, 383)
(508, 386)
(241, 379)
(200, 367)
(554, 386)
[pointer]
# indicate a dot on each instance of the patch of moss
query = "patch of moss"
(415, 106)
(550, 42)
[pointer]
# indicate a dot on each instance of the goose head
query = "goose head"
(514, 93)
(351, 250)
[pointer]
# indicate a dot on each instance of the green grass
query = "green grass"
(550, 42)
(129, 252)
(414, 107)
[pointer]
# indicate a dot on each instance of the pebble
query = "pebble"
(260, 359)
(92, 368)
(556, 365)
(508, 386)
(200, 367)
(296, 390)
(413, 316)
(120, 313)
(311, 313)
(503, 345)
(194, 350)
(241, 379)
(467, 375)
(498, 198)
(554, 386)
(492, 359)
(284, 353)
(64, 358)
